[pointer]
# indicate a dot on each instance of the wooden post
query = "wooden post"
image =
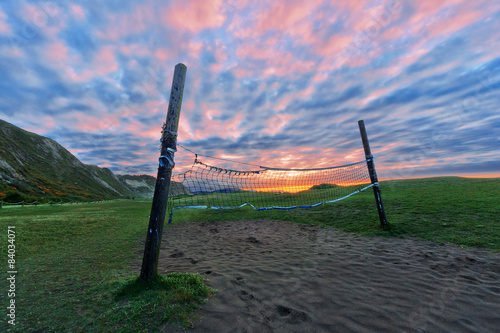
(1, 202)
(373, 174)
(168, 146)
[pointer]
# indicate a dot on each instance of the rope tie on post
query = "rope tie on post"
(170, 132)
(169, 158)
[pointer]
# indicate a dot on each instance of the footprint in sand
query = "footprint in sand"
(239, 281)
(176, 254)
(292, 316)
(253, 240)
(244, 296)
(192, 261)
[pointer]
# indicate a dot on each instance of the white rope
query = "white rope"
(347, 196)
(243, 205)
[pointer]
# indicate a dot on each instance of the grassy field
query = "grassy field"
(443, 209)
(74, 274)
(74, 261)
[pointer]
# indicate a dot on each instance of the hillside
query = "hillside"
(142, 185)
(38, 167)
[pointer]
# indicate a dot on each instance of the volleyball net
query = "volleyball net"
(205, 186)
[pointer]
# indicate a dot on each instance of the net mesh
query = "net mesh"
(210, 187)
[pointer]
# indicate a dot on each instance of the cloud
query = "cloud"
(4, 26)
(194, 15)
(273, 83)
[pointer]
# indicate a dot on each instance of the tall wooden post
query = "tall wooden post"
(373, 174)
(168, 146)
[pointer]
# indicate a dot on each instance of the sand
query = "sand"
(282, 277)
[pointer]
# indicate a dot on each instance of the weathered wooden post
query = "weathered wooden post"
(373, 174)
(168, 146)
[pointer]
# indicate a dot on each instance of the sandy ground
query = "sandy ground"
(283, 277)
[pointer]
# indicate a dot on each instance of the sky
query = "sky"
(272, 83)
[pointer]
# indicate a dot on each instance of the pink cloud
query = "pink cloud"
(290, 67)
(295, 19)
(135, 50)
(276, 123)
(12, 51)
(77, 12)
(75, 75)
(301, 158)
(57, 52)
(42, 19)
(455, 23)
(278, 63)
(136, 21)
(194, 15)
(4, 26)
(105, 61)
(283, 15)
(333, 46)
(164, 54)
(140, 130)
(194, 48)
(253, 51)
(185, 131)
(281, 105)
(436, 18)
(354, 6)
(220, 54)
(89, 124)
(103, 64)
(393, 33)
(217, 48)
(298, 19)
(426, 9)
(241, 72)
(219, 128)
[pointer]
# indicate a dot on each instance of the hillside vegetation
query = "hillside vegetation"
(37, 167)
(142, 185)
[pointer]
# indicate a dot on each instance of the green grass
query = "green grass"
(74, 261)
(454, 210)
(74, 274)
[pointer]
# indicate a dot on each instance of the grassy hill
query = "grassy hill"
(142, 185)
(36, 167)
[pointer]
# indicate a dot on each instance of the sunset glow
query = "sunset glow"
(288, 189)
(299, 187)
